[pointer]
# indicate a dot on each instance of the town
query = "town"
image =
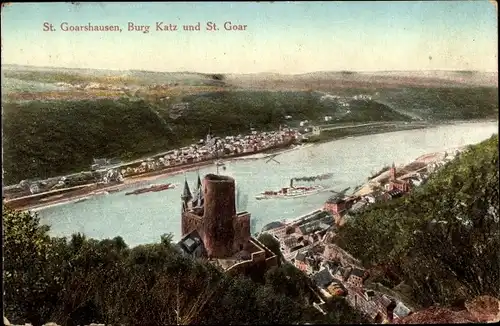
(104, 173)
(215, 231)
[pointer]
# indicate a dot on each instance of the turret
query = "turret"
(186, 196)
(198, 199)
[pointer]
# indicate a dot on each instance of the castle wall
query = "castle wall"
(258, 261)
(191, 222)
(241, 225)
(271, 262)
(219, 212)
(259, 256)
(240, 268)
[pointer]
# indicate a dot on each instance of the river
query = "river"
(144, 218)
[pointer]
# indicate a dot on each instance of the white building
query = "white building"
(34, 188)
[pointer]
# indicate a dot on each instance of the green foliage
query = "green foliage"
(79, 281)
(445, 103)
(272, 243)
(444, 238)
(49, 138)
(233, 111)
(337, 305)
(44, 139)
(28, 274)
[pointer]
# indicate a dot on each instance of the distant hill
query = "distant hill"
(55, 120)
(44, 75)
(332, 80)
(323, 80)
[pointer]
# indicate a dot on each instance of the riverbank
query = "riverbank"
(90, 190)
(420, 163)
(145, 178)
(354, 131)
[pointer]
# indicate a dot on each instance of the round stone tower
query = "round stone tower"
(219, 214)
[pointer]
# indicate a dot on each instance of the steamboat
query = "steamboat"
(152, 188)
(291, 192)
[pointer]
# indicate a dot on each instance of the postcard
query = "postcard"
(250, 162)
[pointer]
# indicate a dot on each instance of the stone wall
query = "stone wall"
(241, 225)
(191, 222)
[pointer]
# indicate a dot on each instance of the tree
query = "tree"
(81, 281)
(444, 238)
(272, 244)
(28, 275)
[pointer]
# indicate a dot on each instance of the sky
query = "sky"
(280, 37)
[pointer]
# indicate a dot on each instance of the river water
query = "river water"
(144, 218)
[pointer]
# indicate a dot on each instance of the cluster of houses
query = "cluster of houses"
(383, 188)
(344, 100)
(213, 148)
(33, 187)
(306, 243)
(341, 275)
(302, 234)
(104, 171)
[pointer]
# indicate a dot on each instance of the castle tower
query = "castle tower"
(219, 213)
(186, 196)
(393, 172)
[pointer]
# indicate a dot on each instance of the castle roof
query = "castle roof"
(192, 244)
(335, 200)
(323, 278)
(186, 194)
(198, 200)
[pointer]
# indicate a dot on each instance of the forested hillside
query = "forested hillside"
(82, 281)
(442, 240)
(444, 103)
(50, 138)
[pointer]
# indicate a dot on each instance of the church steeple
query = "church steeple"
(393, 172)
(208, 140)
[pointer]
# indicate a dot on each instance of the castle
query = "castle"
(213, 230)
